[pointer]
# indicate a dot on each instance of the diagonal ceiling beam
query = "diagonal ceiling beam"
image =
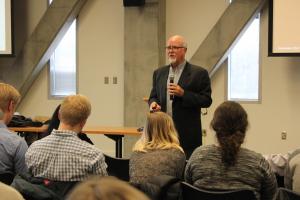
(42, 43)
(216, 46)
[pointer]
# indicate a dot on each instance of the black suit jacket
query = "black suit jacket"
(186, 109)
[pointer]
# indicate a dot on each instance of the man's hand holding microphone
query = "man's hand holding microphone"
(174, 90)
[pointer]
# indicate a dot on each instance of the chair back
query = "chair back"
(36, 188)
(7, 178)
(286, 194)
(191, 192)
(118, 167)
(162, 187)
(280, 180)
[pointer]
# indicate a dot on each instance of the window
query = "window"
(63, 65)
(243, 66)
(6, 46)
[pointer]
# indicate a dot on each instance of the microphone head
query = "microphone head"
(171, 78)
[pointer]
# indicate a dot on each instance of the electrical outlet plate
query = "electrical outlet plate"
(115, 80)
(283, 135)
(106, 80)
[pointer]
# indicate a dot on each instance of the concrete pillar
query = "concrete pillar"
(144, 52)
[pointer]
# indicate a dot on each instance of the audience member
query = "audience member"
(54, 123)
(9, 193)
(157, 152)
(288, 166)
(12, 147)
(62, 156)
(105, 188)
(228, 166)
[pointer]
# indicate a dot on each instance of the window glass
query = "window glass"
(243, 66)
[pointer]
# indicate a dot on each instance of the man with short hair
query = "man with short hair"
(12, 147)
(181, 90)
(62, 156)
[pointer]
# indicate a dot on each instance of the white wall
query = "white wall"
(192, 19)
(100, 54)
(280, 79)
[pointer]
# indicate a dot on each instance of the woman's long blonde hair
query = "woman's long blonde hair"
(159, 133)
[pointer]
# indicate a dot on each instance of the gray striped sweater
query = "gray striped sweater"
(251, 171)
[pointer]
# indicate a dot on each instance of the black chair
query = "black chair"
(280, 180)
(7, 178)
(191, 192)
(161, 187)
(118, 167)
(286, 194)
(36, 188)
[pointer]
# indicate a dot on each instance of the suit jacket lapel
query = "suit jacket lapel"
(185, 75)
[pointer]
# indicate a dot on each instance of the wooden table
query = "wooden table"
(114, 133)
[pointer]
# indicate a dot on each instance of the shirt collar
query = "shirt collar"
(64, 132)
(179, 67)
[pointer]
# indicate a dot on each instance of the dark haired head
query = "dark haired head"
(230, 124)
(54, 123)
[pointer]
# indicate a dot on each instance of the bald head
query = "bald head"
(178, 39)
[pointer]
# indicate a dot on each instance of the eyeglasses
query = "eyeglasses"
(173, 48)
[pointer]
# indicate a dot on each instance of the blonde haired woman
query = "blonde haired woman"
(157, 152)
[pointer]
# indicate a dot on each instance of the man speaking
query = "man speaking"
(181, 90)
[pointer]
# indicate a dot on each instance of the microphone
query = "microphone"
(171, 78)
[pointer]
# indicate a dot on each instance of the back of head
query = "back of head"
(230, 124)
(74, 109)
(159, 133)
(9, 193)
(105, 188)
(8, 94)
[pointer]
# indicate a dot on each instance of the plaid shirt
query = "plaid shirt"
(62, 156)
